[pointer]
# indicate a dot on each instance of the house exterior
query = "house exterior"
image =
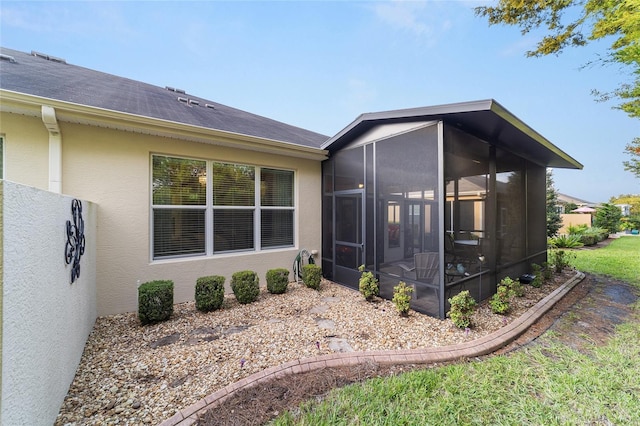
(445, 198)
(184, 186)
(187, 187)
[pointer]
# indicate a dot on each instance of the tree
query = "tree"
(554, 221)
(569, 207)
(608, 217)
(576, 23)
(633, 165)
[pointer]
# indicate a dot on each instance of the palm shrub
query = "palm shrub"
(209, 293)
(155, 301)
(245, 286)
(462, 307)
(277, 280)
(368, 284)
(565, 241)
(402, 298)
(311, 276)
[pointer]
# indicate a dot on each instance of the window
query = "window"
(203, 207)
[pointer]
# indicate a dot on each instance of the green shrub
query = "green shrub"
(277, 280)
(311, 276)
(565, 241)
(547, 271)
(499, 302)
(514, 287)
(245, 286)
(560, 259)
(368, 284)
(462, 307)
(209, 293)
(539, 278)
(402, 298)
(155, 301)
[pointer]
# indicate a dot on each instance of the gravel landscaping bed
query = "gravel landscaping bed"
(132, 374)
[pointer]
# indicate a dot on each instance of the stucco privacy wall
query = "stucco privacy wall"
(573, 219)
(112, 169)
(45, 319)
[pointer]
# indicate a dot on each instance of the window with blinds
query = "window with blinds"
(235, 207)
(276, 200)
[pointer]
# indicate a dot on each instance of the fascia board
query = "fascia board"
(76, 113)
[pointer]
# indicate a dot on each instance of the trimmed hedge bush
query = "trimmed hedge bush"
(209, 293)
(155, 301)
(277, 280)
(245, 286)
(311, 275)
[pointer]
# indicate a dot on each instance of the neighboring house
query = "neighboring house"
(564, 199)
(185, 187)
(625, 209)
(462, 185)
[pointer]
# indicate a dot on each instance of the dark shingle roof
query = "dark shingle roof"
(54, 79)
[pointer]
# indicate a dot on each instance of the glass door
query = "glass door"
(348, 236)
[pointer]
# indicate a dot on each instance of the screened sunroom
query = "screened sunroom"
(444, 198)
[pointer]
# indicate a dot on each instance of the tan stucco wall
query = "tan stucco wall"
(573, 219)
(111, 168)
(26, 144)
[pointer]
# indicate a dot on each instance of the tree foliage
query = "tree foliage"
(554, 221)
(633, 165)
(608, 217)
(575, 23)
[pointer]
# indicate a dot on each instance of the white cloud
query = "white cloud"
(403, 15)
(427, 21)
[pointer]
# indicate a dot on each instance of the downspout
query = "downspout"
(55, 148)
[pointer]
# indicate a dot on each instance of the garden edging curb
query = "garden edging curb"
(478, 347)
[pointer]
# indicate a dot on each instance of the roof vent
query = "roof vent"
(181, 99)
(173, 89)
(7, 58)
(193, 102)
(209, 106)
(48, 57)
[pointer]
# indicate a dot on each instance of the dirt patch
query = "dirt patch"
(587, 315)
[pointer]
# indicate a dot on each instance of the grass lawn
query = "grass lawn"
(620, 259)
(549, 384)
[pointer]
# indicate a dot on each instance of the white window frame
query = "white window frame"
(209, 208)
(2, 156)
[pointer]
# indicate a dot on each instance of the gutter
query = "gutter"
(55, 148)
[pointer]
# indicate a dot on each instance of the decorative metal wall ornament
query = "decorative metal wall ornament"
(74, 248)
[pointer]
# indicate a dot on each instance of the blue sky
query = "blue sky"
(318, 65)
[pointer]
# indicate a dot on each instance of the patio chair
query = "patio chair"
(425, 269)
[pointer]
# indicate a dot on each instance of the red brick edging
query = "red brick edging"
(482, 346)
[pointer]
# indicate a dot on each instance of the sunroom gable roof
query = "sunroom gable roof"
(486, 119)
